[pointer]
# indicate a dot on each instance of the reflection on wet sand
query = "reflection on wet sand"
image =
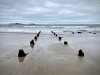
(32, 45)
(21, 59)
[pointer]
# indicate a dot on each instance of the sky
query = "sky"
(50, 11)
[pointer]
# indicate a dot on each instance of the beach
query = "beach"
(49, 56)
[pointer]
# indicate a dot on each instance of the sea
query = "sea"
(47, 28)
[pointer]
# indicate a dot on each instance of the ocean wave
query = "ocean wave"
(94, 25)
(62, 27)
(48, 28)
(34, 26)
(45, 27)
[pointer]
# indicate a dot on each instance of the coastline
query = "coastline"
(49, 55)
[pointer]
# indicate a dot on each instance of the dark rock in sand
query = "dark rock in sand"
(65, 42)
(80, 53)
(94, 33)
(21, 53)
(72, 33)
(79, 32)
(89, 32)
(32, 42)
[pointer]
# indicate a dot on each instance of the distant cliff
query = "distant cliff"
(16, 24)
(20, 24)
(32, 24)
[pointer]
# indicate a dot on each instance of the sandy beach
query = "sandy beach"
(49, 56)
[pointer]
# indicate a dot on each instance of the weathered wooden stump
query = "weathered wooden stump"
(56, 35)
(32, 42)
(59, 38)
(35, 37)
(39, 32)
(38, 35)
(80, 53)
(21, 53)
(52, 32)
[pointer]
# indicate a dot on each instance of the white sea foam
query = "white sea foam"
(46, 29)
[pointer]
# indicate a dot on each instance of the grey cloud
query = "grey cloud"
(50, 11)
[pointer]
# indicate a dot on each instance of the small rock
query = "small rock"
(89, 32)
(94, 33)
(72, 33)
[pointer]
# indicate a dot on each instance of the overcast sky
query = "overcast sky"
(50, 11)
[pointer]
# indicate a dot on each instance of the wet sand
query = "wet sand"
(49, 56)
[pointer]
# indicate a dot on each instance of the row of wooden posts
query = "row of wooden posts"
(59, 38)
(65, 43)
(21, 52)
(35, 38)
